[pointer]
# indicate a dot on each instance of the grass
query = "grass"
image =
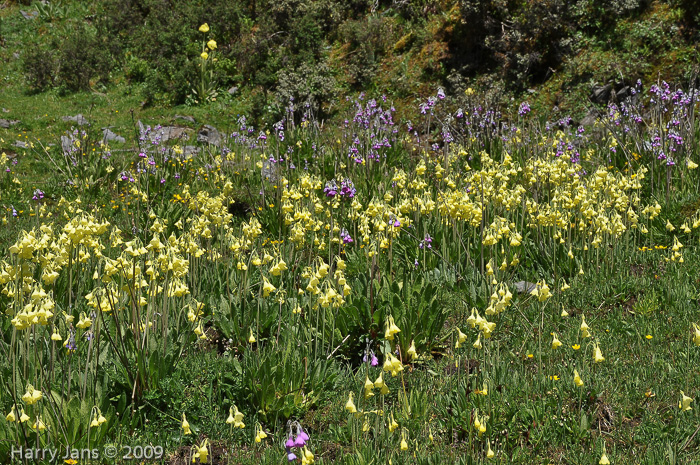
(170, 302)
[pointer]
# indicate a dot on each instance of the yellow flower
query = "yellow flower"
(696, 335)
(577, 379)
(350, 405)
(576, 346)
(204, 28)
(23, 417)
(684, 403)
(204, 55)
(211, 44)
(489, 452)
(584, 327)
(598, 355)
(32, 396)
(11, 416)
(604, 460)
(556, 343)
(251, 338)
(391, 329)
(404, 444)
(235, 417)
(412, 351)
(185, 425)
(477, 345)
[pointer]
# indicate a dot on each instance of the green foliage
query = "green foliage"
(82, 58)
(40, 68)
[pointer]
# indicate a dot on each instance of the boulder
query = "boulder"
(601, 94)
(209, 135)
(78, 119)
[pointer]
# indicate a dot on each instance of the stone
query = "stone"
(167, 133)
(186, 118)
(209, 135)
(6, 123)
(21, 144)
(109, 136)
(589, 119)
(189, 150)
(78, 119)
(233, 90)
(29, 14)
(66, 144)
(269, 171)
(524, 287)
(601, 94)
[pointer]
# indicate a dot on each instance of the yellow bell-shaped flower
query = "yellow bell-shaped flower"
(556, 343)
(684, 403)
(597, 355)
(577, 379)
(391, 329)
(350, 405)
(185, 425)
(412, 351)
(696, 334)
(489, 452)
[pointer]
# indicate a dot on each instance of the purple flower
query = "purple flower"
(375, 360)
(291, 456)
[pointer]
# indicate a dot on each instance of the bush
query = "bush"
(83, 58)
(40, 68)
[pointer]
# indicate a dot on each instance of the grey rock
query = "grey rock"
(189, 150)
(78, 119)
(167, 133)
(109, 136)
(66, 144)
(233, 90)
(270, 171)
(601, 94)
(186, 118)
(524, 287)
(623, 93)
(589, 119)
(16, 55)
(29, 14)
(6, 123)
(21, 144)
(209, 135)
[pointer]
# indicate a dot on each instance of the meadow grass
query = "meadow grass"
(360, 283)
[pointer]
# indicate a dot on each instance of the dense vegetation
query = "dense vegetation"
(392, 243)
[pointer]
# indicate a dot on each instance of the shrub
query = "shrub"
(83, 57)
(40, 68)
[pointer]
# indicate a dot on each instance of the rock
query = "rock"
(6, 123)
(601, 94)
(21, 144)
(269, 171)
(186, 118)
(524, 287)
(167, 133)
(190, 150)
(209, 135)
(29, 14)
(589, 119)
(109, 136)
(79, 119)
(233, 90)
(66, 144)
